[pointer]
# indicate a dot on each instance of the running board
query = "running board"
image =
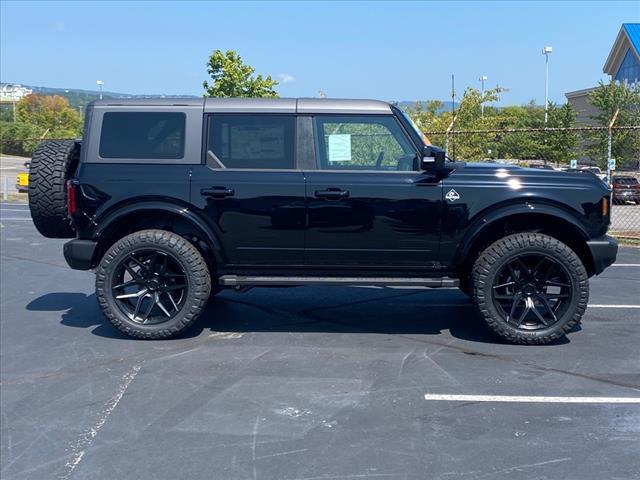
(258, 281)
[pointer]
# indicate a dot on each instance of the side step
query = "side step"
(255, 281)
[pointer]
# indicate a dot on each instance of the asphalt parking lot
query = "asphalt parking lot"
(307, 383)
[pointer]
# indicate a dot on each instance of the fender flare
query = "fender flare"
(111, 218)
(486, 219)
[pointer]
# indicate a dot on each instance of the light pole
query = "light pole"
(546, 51)
(482, 79)
(100, 84)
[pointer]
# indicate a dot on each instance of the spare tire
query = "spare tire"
(52, 164)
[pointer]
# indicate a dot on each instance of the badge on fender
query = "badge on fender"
(452, 195)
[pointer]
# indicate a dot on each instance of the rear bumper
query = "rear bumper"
(79, 253)
(604, 251)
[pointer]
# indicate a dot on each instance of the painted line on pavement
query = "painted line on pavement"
(625, 265)
(528, 399)
(612, 306)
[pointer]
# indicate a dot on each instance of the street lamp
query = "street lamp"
(100, 84)
(546, 51)
(482, 79)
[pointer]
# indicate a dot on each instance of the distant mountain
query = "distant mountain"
(79, 98)
(405, 104)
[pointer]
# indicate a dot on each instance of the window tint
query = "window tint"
(150, 135)
(362, 143)
(252, 141)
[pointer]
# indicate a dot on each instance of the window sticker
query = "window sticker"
(339, 148)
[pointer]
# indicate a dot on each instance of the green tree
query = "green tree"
(559, 147)
(230, 77)
(51, 114)
(608, 98)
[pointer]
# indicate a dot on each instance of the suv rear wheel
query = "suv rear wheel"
(152, 284)
(530, 288)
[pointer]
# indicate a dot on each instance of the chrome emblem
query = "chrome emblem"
(452, 195)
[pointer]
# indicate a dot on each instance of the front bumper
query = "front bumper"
(604, 251)
(79, 253)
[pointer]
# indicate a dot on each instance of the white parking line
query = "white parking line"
(626, 265)
(14, 210)
(528, 399)
(612, 306)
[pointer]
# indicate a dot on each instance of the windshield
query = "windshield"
(415, 127)
(625, 180)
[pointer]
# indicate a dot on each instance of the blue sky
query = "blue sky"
(384, 50)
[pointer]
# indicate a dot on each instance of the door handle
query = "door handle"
(332, 194)
(217, 192)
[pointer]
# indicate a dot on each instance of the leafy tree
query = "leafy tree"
(12, 135)
(232, 78)
(559, 147)
(50, 114)
(608, 98)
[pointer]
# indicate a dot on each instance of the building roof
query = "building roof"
(628, 37)
(580, 93)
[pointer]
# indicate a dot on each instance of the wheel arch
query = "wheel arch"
(175, 218)
(547, 219)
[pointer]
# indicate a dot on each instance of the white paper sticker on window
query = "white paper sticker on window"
(339, 148)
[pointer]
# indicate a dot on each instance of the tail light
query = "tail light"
(71, 198)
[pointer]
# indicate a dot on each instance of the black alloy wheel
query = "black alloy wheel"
(149, 286)
(532, 291)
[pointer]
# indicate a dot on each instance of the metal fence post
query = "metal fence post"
(609, 141)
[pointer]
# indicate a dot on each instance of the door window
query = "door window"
(251, 141)
(353, 142)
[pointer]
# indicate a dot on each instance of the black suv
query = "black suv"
(171, 201)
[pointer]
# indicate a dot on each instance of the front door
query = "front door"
(367, 203)
(250, 191)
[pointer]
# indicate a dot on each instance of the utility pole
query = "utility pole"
(482, 79)
(546, 51)
(453, 111)
(100, 84)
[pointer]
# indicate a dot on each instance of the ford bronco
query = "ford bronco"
(171, 201)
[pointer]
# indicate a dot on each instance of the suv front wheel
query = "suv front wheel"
(152, 284)
(530, 288)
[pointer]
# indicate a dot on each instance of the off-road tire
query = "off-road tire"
(197, 276)
(497, 254)
(52, 164)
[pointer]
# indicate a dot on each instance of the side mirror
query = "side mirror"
(432, 158)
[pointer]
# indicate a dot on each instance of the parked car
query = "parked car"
(171, 201)
(22, 179)
(625, 189)
(596, 171)
(541, 166)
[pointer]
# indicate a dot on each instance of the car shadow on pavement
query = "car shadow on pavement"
(388, 312)
(77, 310)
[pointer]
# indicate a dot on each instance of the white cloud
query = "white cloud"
(286, 78)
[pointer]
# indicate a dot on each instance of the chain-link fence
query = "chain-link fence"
(557, 148)
(581, 148)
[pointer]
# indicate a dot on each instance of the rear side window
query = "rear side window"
(252, 141)
(142, 135)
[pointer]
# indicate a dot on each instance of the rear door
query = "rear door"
(367, 203)
(249, 188)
